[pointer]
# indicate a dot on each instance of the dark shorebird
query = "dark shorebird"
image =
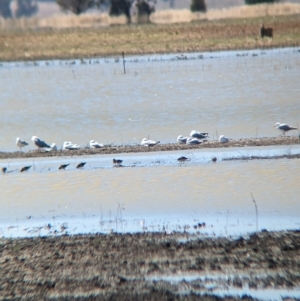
(25, 168)
(117, 161)
(39, 143)
(214, 159)
(63, 166)
(81, 165)
(183, 159)
(4, 169)
(284, 127)
(21, 143)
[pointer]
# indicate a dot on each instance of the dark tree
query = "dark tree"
(76, 6)
(142, 9)
(115, 7)
(252, 2)
(5, 10)
(120, 7)
(198, 6)
(26, 8)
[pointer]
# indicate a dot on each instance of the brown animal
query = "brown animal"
(266, 32)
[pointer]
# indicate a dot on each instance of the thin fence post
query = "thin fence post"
(123, 54)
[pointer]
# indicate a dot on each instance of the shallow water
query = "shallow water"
(161, 97)
(238, 94)
(153, 192)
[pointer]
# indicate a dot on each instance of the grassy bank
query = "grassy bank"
(196, 36)
(134, 266)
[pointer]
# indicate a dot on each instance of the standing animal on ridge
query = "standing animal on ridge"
(21, 143)
(223, 139)
(39, 143)
(266, 32)
(284, 127)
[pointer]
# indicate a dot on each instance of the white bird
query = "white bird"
(284, 127)
(39, 143)
(21, 143)
(223, 139)
(147, 142)
(196, 134)
(68, 145)
(95, 144)
(181, 139)
(192, 140)
(52, 148)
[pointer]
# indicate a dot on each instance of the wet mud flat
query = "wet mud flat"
(117, 149)
(140, 266)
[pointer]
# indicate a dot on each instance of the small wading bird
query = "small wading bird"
(4, 169)
(39, 143)
(181, 139)
(95, 144)
(147, 142)
(223, 139)
(266, 32)
(284, 127)
(196, 134)
(81, 165)
(63, 166)
(183, 159)
(117, 161)
(214, 159)
(25, 168)
(21, 143)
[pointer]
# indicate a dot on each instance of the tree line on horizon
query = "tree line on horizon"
(142, 9)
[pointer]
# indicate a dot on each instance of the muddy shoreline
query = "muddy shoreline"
(140, 266)
(118, 149)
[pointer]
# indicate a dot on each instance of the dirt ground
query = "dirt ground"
(70, 43)
(117, 149)
(132, 266)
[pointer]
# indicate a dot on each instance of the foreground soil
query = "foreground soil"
(30, 45)
(124, 266)
(115, 149)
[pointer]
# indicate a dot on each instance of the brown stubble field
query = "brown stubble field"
(126, 266)
(196, 36)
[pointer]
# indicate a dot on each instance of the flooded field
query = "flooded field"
(152, 192)
(199, 206)
(238, 94)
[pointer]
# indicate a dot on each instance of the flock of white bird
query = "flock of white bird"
(194, 138)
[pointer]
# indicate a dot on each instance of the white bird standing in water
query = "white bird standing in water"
(39, 143)
(147, 142)
(284, 127)
(223, 139)
(21, 143)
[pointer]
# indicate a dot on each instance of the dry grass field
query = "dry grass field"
(170, 32)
